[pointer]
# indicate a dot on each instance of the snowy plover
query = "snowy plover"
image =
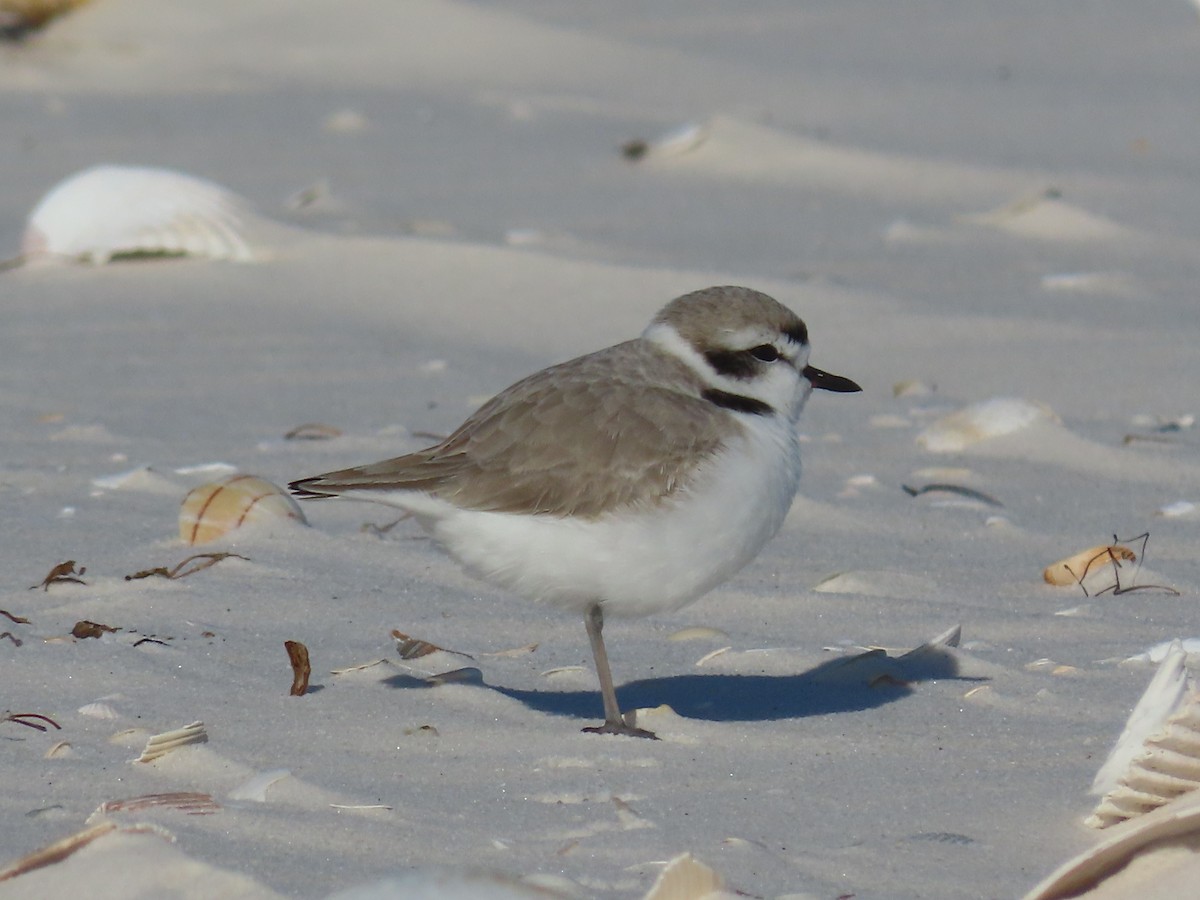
(629, 481)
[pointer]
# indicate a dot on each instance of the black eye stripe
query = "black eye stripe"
(733, 363)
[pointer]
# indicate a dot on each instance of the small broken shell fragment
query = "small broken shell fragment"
(255, 787)
(161, 744)
(120, 211)
(697, 633)
(410, 647)
(675, 142)
(980, 421)
(312, 431)
(686, 878)
(1076, 567)
(98, 709)
(214, 509)
(59, 750)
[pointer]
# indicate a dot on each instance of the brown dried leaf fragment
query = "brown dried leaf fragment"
(85, 628)
(174, 574)
(414, 648)
(63, 572)
(20, 620)
(301, 668)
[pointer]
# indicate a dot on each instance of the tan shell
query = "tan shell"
(1077, 566)
(214, 509)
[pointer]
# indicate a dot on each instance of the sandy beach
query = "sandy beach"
(965, 204)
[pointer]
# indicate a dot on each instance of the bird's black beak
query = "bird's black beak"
(823, 381)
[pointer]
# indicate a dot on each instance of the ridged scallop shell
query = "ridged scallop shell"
(218, 507)
(158, 745)
(109, 211)
(980, 421)
(1157, 757)
(1140, 859)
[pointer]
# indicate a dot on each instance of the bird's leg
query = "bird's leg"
(613, 721)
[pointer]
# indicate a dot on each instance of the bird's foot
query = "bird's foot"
(621, 728)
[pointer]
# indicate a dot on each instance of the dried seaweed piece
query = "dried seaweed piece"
(414, 648)
(63, 572)
(20, 718)
(17, 642)
(301, 668)
(358, 668)
(162, 744)
(959, 489)
(209, 559)
(88, 629)
(19, 620)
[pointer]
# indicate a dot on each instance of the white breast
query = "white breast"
(636, 562)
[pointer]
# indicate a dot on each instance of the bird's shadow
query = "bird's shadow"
(844, 684)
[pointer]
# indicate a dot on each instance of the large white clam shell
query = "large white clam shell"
(1146, 858)
(108, 211)
(1157, 757)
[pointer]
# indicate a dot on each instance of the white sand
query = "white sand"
(881, 168)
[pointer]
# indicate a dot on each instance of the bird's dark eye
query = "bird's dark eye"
(765, 352)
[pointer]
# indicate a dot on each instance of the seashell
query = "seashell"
(98, 710)
(1078, 566)
(675, 142)
(454, 885)
(59, 750)
(1159, 651)
(188, 802)
(697, 633)
(162, 744)
(255, 788)
(113, 211)
(1176, 509)
(686, 878)
(1088, 282)
(143, 478)
(1157, 757)
(218, 507)
(980, 421)
(1156, 852)
(210, 470)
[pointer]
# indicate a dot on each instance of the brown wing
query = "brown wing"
(582, 438)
